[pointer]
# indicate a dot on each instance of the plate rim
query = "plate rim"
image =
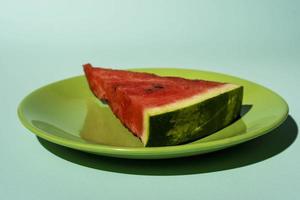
(155, 152)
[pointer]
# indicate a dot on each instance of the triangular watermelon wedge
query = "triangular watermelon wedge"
(165, 111)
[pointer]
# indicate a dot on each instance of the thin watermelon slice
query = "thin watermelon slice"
(165, 111)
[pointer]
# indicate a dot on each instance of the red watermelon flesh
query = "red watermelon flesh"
(129, 94)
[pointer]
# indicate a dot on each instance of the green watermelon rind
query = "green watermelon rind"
(192, 118)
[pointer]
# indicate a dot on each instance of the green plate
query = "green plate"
(67, 113)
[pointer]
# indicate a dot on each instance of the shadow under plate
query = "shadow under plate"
(244, 154)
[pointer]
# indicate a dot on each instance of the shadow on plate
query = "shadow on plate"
(244, 154)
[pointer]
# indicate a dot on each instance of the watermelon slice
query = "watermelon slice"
(165, 111)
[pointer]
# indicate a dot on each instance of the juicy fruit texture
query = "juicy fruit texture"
(165, 110)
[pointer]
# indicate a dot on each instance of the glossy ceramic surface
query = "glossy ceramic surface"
(67, 113)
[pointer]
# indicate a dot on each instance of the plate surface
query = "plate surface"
(67, 113)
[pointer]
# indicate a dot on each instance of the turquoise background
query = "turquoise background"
(45, 41)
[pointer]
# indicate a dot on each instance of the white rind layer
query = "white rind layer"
(182, 104)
